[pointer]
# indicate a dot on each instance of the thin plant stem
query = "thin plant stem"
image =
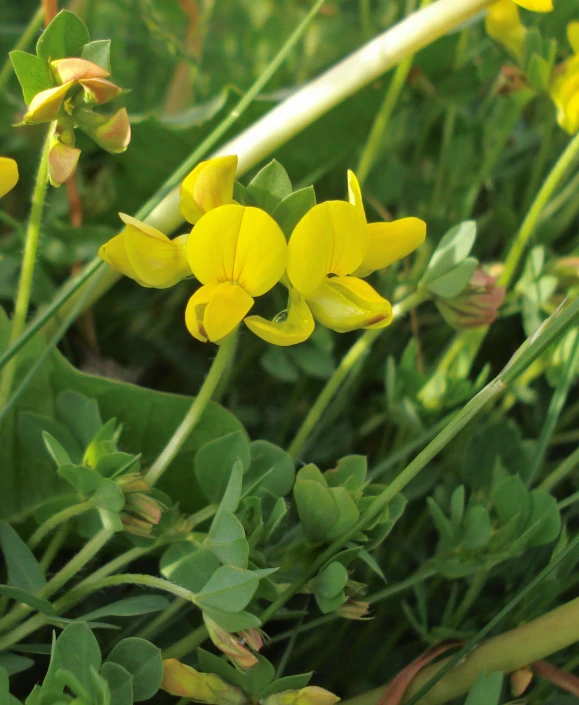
(554, 411)
(469, 599)
(32, 29)
(352, 358)
(551, 183)
(284, 122)
(187, 644)
(136, 579)
(379, 126)
(551, 331)
(28, 261)
(168, 454)
(540, 159)
(568, 501)
(53, 547)
(366, 18)
(153, 628)
(563, 470)
(56, 520)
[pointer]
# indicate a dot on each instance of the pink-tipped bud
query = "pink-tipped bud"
(310, 695)
(136, 526)
(132, 482)
(478, 305)
(99, 90)
(185, 682)
(62, 162)
(520, 681)
(354, 609)
(144, 507)
(230, 645)
(252, 638)
(74, 69)
(111, 133)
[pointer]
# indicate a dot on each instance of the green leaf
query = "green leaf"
(129, 607)
(209, 663)
(20, 595)
(453, 248)
(257, 678)
(271, 471)
(316, 507)
(457, 507)
(80, 414)
(99, 52)
(11, 664)
(510, 499)
(58, 453)
(226, 539)
(350, 472)
(348, 513)
(120, 683)
(232, 494)
(477, 528)
(100, 688)
(65, 36)
(31, 428)
(215, 460)
(441, 522)
(330, 604)
(544, 510)
(188, 565)
(296, 682)
(270, 186)
(277, 363)
(486, 690)
(68, 679)
(539, 73)
(24, 571)
(229, 589)
(233, 622)
(292, 209)
(108, 495)
(278, 512)
(33, 73)
(84, 480)
(143, 661)
(76, 650)
(102, 444)
(453, 282)
(331, 580)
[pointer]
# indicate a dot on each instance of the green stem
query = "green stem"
(57, 519)
(540, 159)
(28, 261)
(562, 470)
(352, 358)
(366, 18)
(168, 454)
(23, 42)
(555, 407)
(470, 598)
(187, 644)
(568, 501)
(53, 547)
(151, 581)
(151, 629)
(564, 163)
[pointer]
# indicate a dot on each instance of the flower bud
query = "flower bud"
(112, 133)
(134, 525)
(62, 161)
(520, 681)
(232, 647)
(478, 305)
(183, 681)
(354, 609)
(99, 91)
(208, 186)
(346, 303)
(252, 638)
(146, 255)
(8, 175)
(74, 69)
(144, 506)
(310, 695)
(46, 105)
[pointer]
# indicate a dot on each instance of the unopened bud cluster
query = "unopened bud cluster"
(141, 511)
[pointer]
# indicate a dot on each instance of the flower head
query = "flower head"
(146, 255)
(237, 253)
(565, 85)
(8, 175)
(184, 681)
(329, 249)
(478, 305)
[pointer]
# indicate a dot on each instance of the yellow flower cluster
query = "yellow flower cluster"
(239, 253)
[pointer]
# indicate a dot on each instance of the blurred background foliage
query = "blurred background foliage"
(462, 142)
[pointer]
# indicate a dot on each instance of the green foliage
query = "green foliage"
(450, 268)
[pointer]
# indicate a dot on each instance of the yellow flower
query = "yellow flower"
(331, 243)
(208, 186)
(237, 253)
(8, 175)
(146, 255)
(184, 681)
(504, 25)
(536, 5)
(565, 86)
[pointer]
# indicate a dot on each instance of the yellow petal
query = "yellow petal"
(295, 326)
(73, 69)
(208, 186)
(329, 239)
(355, 193)
(565, 95)
(8, 175)
(238, 244)
(536, 5)
(503, 24)
(347, 303)
(45, 106)
(214, 311)
(573, 35)
(182, 680)
(114, 253)
(389, 242)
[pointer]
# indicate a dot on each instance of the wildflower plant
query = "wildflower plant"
(320, 436)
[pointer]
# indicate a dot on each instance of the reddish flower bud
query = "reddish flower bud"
(520, 681)
(231, 646)
(62, 161)
(98, 90)
(478, 305)
(112, 133)
(354, 609)
(73, 69)
(252, 638)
